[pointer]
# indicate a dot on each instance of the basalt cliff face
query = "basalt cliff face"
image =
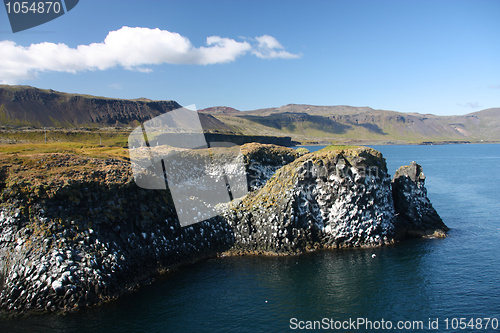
(328, 200)
(417, 217)
(332, 200)
(28, 106)
(77, 231)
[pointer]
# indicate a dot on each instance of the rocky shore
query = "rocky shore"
(76, 231)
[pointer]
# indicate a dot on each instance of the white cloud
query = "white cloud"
(495, 86)
(268, 47)
(131, 48)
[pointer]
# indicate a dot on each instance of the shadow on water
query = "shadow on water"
(231, 293)
(414, 280)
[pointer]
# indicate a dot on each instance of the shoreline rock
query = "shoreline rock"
(77, 231)
(327, 200)
(416, 215)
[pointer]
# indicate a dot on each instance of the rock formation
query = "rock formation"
(28, 106)
(416, 215)
(326, 200)
(77, 231)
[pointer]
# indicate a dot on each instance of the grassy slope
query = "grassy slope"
(366, 124)
(301, 122)
(97, 143)
(31, 149)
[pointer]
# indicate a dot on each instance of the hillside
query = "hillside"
(24, 106)
(220, 110)
(28, 106)
(347, 123)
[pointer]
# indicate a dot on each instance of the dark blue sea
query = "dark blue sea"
(427, 285)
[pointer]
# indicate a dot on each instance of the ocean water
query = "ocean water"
(427, 285)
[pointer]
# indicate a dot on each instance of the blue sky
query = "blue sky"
(440, 57)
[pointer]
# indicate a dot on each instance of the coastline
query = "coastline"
(367, 143)
(84, 233)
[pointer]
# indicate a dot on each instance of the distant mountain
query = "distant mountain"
(220, 110)
(24, 105)
(347, 123)
(28, 106)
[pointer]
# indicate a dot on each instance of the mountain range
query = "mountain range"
(348, 123)
(25, 106)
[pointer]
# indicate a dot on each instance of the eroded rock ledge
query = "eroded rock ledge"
(77, 231)
(325, 200)
(416, 215)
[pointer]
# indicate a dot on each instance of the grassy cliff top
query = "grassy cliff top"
(41, 149)
(56, 163)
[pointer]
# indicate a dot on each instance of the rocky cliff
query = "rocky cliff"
(416, 215)
(28, 106)
(327, 200)
(77, 231)
(334, 199)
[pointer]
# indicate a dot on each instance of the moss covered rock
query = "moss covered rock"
(77, 231)
(323, 200)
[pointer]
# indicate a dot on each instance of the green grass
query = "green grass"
(118, 138)
(76, 148)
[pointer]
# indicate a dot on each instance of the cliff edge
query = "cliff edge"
(77, 231)
(416, 215)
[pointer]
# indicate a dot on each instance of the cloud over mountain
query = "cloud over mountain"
(130, 48)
